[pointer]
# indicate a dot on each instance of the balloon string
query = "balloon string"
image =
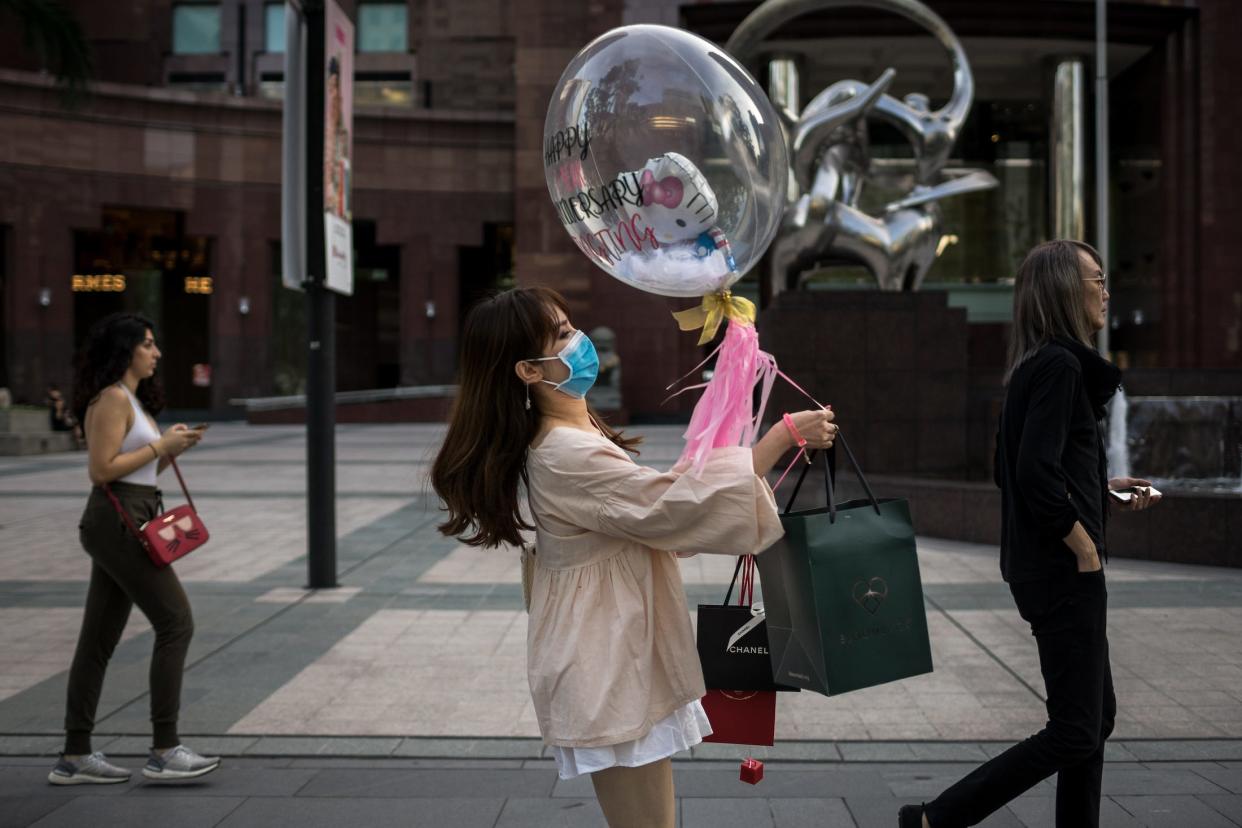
(682, 378)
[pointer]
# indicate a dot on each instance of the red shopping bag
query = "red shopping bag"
(741, 717)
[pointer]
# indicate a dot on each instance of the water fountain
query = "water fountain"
(1118, 446)
(1191, 449)
(1179, 443)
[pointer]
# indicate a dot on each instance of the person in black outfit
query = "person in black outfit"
(1052, 470)
(60, 416)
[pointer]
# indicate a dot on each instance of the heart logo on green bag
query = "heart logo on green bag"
(870, 594)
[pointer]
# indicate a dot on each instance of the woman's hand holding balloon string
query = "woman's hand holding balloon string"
(816, 426)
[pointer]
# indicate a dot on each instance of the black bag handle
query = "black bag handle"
(829, 474)
(733, 582)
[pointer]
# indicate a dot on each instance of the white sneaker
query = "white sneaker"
(87, 770)
(179, 763)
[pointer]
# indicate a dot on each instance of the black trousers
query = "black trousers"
(1067, 617)
(122, 575)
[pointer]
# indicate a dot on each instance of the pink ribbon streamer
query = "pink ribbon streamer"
(725, 414)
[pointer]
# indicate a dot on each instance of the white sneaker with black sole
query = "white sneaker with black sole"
(87, 770)
(179, 763)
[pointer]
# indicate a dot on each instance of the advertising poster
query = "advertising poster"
(338, 107)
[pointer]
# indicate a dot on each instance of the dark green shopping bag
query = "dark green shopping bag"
(842, 593)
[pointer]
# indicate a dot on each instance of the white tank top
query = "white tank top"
(140, 435)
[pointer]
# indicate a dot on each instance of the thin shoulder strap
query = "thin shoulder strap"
(172, 461)
(134, 403)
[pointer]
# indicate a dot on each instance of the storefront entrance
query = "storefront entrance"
(142, 261)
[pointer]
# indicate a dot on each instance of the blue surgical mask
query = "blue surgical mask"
(583, 363)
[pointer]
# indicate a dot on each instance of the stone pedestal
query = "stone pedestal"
(894, 367)
(26, 431)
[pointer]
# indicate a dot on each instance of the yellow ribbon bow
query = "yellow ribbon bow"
(716, 307)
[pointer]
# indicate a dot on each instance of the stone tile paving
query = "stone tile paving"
(419, 658)
(30, 653)
(336, 791)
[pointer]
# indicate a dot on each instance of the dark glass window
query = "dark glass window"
(382, 27)
(274, 28)
(196, 29)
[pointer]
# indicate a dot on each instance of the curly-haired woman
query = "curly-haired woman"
(116, 397)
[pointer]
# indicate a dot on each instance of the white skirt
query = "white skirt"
(681, 730)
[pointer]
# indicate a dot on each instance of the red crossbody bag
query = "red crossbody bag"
(169, 535)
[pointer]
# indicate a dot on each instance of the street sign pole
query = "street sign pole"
(320, 329)
(304, 267)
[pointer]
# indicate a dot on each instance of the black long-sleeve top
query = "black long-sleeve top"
(1051, 464)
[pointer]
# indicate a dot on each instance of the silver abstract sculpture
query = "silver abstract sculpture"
(830, 160)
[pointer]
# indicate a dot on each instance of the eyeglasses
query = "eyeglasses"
(1102, 282)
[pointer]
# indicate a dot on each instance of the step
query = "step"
(14, 445)
(25, 420)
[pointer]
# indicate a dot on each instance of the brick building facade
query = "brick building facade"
(175, 160)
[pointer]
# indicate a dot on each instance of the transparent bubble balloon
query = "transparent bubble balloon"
(665, 161)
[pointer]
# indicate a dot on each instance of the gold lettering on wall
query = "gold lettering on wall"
(99, 283)
(198, 284)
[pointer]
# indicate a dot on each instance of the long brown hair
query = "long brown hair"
(106, 356)
(1048, 299)
(482, 460)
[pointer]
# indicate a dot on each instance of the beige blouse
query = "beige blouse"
(610, 649)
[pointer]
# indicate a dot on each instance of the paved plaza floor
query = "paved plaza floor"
(400, 697)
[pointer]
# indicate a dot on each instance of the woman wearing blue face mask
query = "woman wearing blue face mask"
(611, 660)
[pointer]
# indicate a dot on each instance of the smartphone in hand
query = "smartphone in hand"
(200, 427)
(1127, 494)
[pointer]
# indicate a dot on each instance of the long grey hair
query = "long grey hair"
(1048, 299)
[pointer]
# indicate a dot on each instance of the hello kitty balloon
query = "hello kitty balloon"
(687, 250)
(665, 161)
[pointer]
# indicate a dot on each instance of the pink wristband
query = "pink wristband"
(799, 440)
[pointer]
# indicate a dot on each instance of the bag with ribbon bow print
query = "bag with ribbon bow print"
(733, 649)
(169, 535)
(733, 640)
